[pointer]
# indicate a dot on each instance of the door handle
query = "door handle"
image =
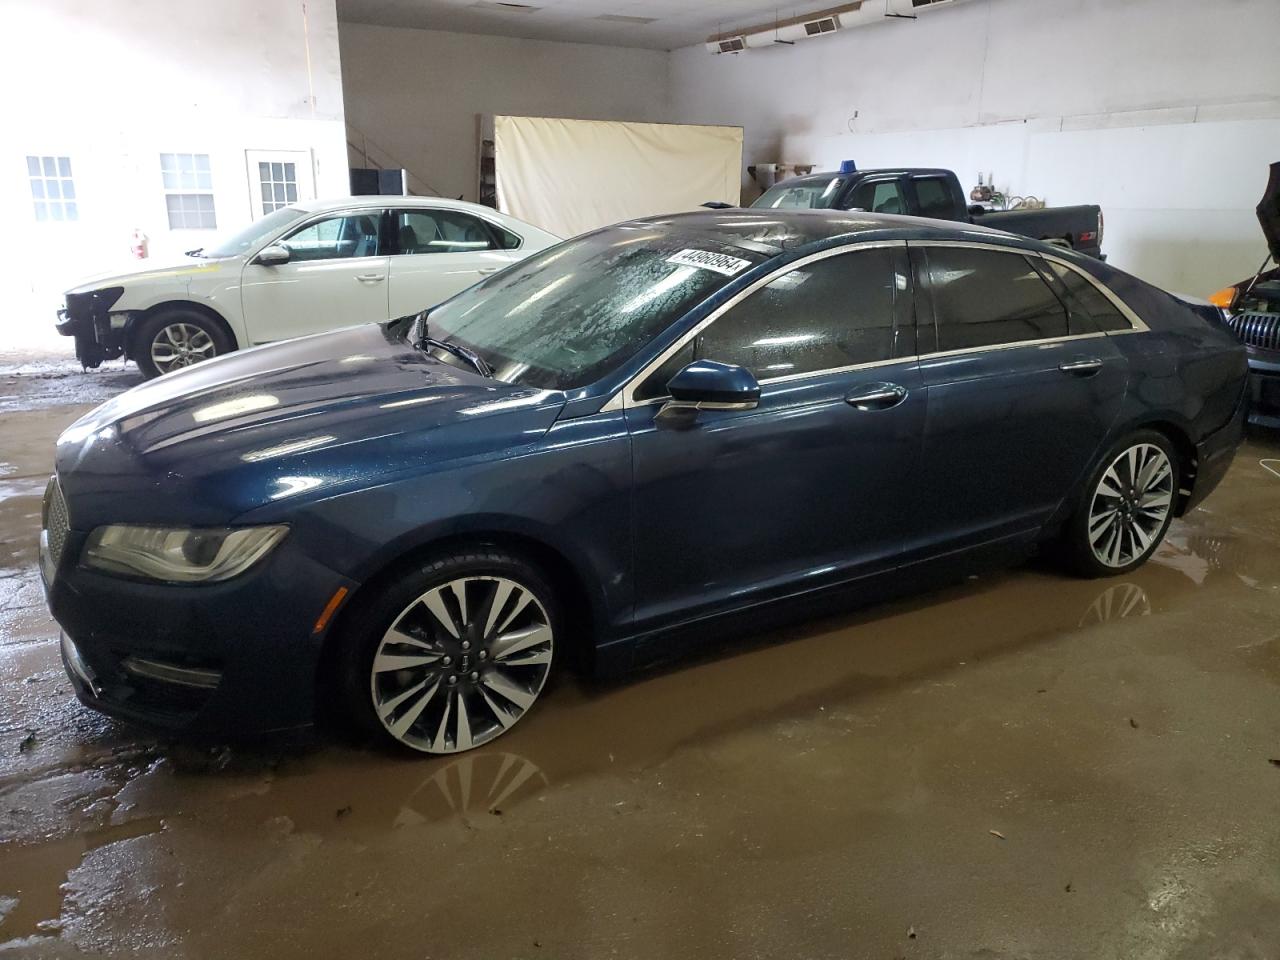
(488, 270)
(876, 396)
(1081, 368)
(371, 277)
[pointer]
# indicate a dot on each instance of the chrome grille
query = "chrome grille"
(1261, 330)
(56, 521)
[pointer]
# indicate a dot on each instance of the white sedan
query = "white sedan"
(305, 268)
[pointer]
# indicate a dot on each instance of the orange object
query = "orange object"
(330, 609)
(1224, 298)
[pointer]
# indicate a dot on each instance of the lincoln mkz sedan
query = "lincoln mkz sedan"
(637, 430)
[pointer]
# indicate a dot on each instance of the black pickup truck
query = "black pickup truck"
(936, 193)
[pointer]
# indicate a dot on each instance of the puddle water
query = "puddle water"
(877, 737)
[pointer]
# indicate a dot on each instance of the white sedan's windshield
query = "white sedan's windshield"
(566, 316)
(247, 238)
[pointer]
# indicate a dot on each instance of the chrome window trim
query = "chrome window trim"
(993, 347)
(1135, 322)
(624, 397)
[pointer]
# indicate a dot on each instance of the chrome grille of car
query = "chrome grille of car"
(1261, 330)
(56, 521)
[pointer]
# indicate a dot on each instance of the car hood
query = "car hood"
(1269, 212)
(270, 426)
(172, 269)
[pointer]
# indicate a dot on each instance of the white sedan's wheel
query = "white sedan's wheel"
(461, 664)
(180, 345)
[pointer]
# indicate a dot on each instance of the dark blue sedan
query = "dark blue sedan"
(638, 430)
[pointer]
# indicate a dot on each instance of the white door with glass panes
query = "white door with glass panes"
(278, 178)
(441, 252)
(336, 276)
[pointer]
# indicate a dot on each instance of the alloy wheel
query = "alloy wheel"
(461, 664)
(1130, 505)
(180, 345)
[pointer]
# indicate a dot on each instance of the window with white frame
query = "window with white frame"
(188, 191)
(279, 183)
(53, 192)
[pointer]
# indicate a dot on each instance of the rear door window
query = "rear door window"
(984, 298)
(933, 196)
(442, 231)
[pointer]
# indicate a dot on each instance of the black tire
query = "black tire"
(186, 334)
(471, 697)
(1138, 530)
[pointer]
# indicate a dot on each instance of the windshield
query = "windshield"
(566, 316)
(248, 237)
(812, 193)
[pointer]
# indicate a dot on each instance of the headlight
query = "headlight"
(177, 555)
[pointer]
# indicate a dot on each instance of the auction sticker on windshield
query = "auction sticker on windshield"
(706, 260)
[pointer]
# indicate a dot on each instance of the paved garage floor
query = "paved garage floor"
(1019, 766)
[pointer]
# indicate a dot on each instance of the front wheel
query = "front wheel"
(177, 338)
(1126, 507)
(452, 654)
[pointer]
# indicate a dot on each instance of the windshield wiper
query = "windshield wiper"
(470, 356)
(197, 252)
(423, 341)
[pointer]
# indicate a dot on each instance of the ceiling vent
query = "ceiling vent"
(815, 28)
(817, 23)
(728, 45)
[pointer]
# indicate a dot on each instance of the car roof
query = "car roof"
(403, 201)
(775, 231)
(390, 200)
(823, 176)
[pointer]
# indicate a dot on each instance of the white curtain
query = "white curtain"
(571, 176)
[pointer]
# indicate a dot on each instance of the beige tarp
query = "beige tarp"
(570, 176)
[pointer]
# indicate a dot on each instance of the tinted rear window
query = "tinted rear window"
(1095, 309)
(987, 298)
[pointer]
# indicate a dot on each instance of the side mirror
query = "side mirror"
(977, 210)
(273, 254)
(708, 385)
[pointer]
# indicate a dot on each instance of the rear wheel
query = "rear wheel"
(1126, 507)
(453, 654)
(177, 338)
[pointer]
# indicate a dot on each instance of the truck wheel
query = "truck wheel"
(176, 338)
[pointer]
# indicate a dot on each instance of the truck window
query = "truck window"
(934, 198)
(877, 196)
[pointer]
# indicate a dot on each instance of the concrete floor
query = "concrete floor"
(1020, 766)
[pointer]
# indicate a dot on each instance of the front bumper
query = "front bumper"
(1264, 390)
(100, 333)
(223, 659)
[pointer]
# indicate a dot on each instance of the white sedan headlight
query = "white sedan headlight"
(178, 555)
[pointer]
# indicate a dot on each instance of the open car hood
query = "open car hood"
(1269, 212)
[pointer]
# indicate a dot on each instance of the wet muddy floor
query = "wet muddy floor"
(1018, 766)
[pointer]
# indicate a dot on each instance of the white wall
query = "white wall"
(112, 84)
(1166, 112)
(415, 94)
